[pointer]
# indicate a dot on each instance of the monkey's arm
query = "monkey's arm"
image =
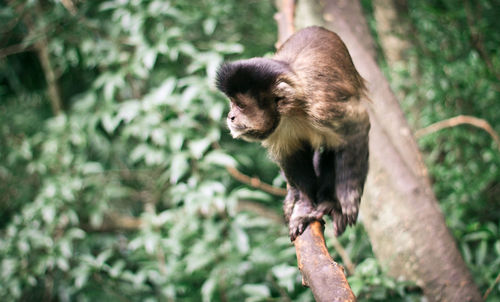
(299, 205)
(351, 167)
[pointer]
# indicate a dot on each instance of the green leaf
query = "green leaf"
(149, 58)
(129, 110)
(208, 289)
(176, 141)
(240, 239)
(117, 268)
(466, 252)
(178, 167)
(257, 290)
(199, 146)
(209, 25)
(109, 123)
(92, 168)
(228, 48)
(481, 253)
(220, 158)
(286, 276)
(48, 213)
(151, 242)
(356, 284)
(215, 111)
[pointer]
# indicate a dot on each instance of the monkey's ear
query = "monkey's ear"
(287, 86)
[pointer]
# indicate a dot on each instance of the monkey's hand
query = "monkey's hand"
(302, 214)
(333, 208)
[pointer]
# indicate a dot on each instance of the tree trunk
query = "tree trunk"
(399, 210)
(391, 17)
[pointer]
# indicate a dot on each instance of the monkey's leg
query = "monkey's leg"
(327, 202)
(292, 195)
(351, 167)
(299, 172)
(324, 165)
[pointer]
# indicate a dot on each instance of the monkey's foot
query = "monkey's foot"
(341, 215)
(341, 221)
(302, 214)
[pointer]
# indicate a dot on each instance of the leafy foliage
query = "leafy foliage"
(126, 196)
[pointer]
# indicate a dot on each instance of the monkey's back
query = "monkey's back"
(322, 62)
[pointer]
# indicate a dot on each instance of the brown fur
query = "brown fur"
(304, 106)
(328, 90)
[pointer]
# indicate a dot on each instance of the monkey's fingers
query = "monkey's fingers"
(296, 228)
(302, 214)
(339, 223)
(351, 216)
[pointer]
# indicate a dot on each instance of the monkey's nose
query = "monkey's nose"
(232, 117)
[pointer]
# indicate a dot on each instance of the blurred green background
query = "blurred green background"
(122, 193)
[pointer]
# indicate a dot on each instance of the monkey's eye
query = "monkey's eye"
(240, 105)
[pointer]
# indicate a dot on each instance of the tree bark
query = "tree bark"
(391, 17)
(319, 272)
(399, 209)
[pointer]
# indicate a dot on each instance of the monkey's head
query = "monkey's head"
(257, 89)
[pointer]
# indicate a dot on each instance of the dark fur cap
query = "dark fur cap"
(252, 75)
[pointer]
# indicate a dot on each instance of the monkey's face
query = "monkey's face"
(252, 118)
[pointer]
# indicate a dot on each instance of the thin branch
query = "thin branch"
(319, 272)
(70, 6)
(344, 255)
(115, 223)
(260, 210)
(15, 49)
(42, 47)
(488, 291)
(252, 181)
(50, 75)
(460, 120)
(255, 182)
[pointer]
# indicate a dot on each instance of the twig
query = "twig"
(70, 6)
(344, 255)
(488, 291)
(53, 87)
(255, 182)
(115, 223)
(252, 181)
(15, 49)
(460, 120)
(260, 210)
(42, 48)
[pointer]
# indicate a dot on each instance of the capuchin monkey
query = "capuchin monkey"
(304, 106)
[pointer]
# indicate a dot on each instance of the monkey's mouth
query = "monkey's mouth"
(242, 132)
(236, 130)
